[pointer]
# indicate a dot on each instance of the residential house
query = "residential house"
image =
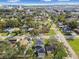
(41, 53)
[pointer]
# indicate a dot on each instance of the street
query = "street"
(61, 38)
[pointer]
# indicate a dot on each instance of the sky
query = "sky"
(39, 2)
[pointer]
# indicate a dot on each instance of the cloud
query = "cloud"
(13, 0)
(46, 0)
(63, 0)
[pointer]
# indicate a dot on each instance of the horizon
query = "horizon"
(39, 2)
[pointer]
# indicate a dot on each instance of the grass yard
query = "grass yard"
(12, 34)
(75, 45)
(51, 32)
(3, 34)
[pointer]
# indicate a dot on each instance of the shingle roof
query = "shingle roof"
(42, 50)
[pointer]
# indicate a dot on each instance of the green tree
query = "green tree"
(9, 51)
(60, 51)
(73, 24)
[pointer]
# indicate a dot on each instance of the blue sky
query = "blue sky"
(39, 2)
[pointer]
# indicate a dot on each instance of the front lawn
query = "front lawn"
(75, 45)
(12, 34)
(51, 32)
(3, 34)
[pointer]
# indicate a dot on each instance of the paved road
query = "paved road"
(61, 38)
